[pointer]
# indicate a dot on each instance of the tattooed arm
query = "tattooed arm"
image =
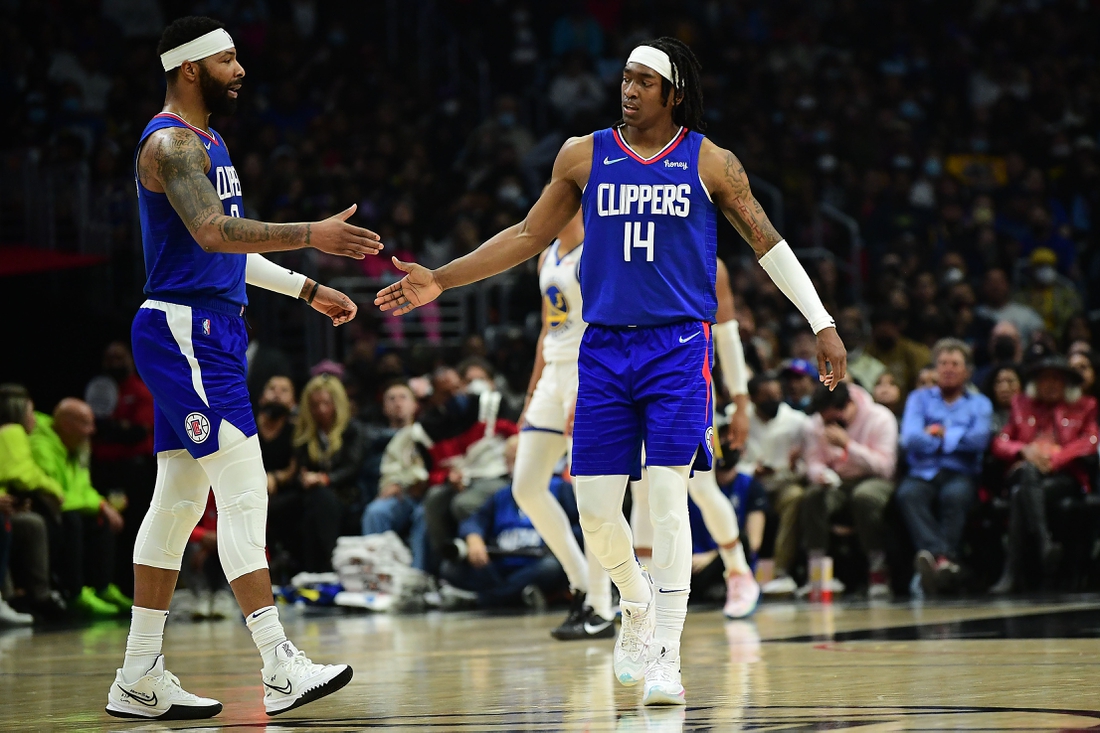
(728, 184)
(174, 162)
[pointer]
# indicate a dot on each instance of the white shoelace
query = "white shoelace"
(174, 681)
(662, 669)
(633, 634)
(300, 665)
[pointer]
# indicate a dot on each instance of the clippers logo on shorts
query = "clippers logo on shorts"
(557, 308)
(708, 440)
(206, 326)
(198, 427)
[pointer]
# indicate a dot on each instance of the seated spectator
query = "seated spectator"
(23, 484)
(800, 381)
(275, 419)
(927, 377)
(506, 561)
(1048, 294)
(1085, 365)
(8, 615)
(86, 543)
(887, 392)
(205, 592)
(997, 305)
(851, 452)
(944, 432)
(902, 357)
(1051, 429)
(467, 456)
(853, 330)
(772, 456)
(750, 503)
(1001, 389)
(328, 450)
(399, 408)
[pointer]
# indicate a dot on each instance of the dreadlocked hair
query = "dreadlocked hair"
(687, 72)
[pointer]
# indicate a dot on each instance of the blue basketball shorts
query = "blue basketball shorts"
(193, 362)
(644, 384)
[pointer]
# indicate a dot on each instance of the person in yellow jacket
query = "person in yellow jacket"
(60, 445)
(24, 531)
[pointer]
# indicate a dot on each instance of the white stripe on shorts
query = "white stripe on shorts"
(179, 323)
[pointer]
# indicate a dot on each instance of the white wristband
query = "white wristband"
(789, 276)
(263, 273)
(731, 357)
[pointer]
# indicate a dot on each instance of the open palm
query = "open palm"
(417, 288)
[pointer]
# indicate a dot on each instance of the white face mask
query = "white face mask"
(478, 386)
(1046, 275)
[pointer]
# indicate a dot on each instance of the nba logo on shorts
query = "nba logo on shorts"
(206, 326)
(197, 426)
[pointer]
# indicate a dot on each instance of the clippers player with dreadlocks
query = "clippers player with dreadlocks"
(650, 189)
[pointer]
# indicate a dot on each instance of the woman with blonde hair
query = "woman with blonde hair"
(328, 449)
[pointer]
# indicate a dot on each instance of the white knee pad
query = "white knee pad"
(179, 499)
(600, 503)
(236, 472)
(717, 510)
(640, 523)
(668, 511)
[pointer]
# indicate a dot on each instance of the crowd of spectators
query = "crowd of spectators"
(961, 137)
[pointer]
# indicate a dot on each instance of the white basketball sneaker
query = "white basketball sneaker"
(634, 637)
(662, 674)
(294, 680)
(158, 696)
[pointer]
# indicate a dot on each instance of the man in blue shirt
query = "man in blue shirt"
(944, 433)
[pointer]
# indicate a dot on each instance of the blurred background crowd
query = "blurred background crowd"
(934, 163)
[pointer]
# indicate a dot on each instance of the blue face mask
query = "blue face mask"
(933, 167)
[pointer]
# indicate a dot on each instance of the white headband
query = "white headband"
(655, 59)
(213, 42)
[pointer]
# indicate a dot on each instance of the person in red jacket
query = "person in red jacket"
(1051, 428)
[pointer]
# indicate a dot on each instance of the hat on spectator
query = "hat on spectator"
(801, 367)
(1056, 363)
(1043, 256)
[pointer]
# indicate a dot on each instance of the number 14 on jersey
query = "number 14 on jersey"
(632, 239)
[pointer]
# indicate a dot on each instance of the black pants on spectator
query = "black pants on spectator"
(306, 524)
(1032, 494)
(87, 552)
(136, 478)
(29, 565)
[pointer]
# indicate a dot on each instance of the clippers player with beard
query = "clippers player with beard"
(189, 347)
(650, 189)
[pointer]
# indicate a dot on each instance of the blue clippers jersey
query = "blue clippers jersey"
(177, 269)
(650, 232)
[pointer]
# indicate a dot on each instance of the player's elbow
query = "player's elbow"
(209, 238)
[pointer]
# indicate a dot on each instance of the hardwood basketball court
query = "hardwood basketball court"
(960, 666)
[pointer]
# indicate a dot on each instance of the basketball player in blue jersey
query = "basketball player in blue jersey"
(650, 189)
(189, 346)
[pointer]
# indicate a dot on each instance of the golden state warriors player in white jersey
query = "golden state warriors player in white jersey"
(544, 436)
(650, 189)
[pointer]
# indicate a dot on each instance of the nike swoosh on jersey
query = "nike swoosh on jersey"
(607, 160)
(689, 338)
(207, 146)
(590, 629)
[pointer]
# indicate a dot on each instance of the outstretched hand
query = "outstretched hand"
(417, 288)
(336, 237)
(832, 358)
(334, 304)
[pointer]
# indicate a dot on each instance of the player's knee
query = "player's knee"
(599, 535)
(666, 528)
(165, 533)
(244, 519)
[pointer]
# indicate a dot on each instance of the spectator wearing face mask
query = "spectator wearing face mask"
(1048, 294)
(800, 380)
(772, 455)
(1051, 429)
(902, 356)
(851, 452)
(944, 432)
(1004, 347)
(997, 305)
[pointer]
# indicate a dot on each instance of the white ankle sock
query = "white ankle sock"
(144, 642)
(267, 632)
(669, 614)
(734, 559)
(632, 585)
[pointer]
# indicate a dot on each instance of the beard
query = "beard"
(215, 95)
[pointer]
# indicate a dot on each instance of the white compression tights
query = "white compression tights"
(717, 510)
(671, 563)
(236, 474)
(537, 454)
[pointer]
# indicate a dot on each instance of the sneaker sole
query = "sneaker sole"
(175, 712)
(745, 615)
(334, 685)
(927, 572)
(660, 697)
